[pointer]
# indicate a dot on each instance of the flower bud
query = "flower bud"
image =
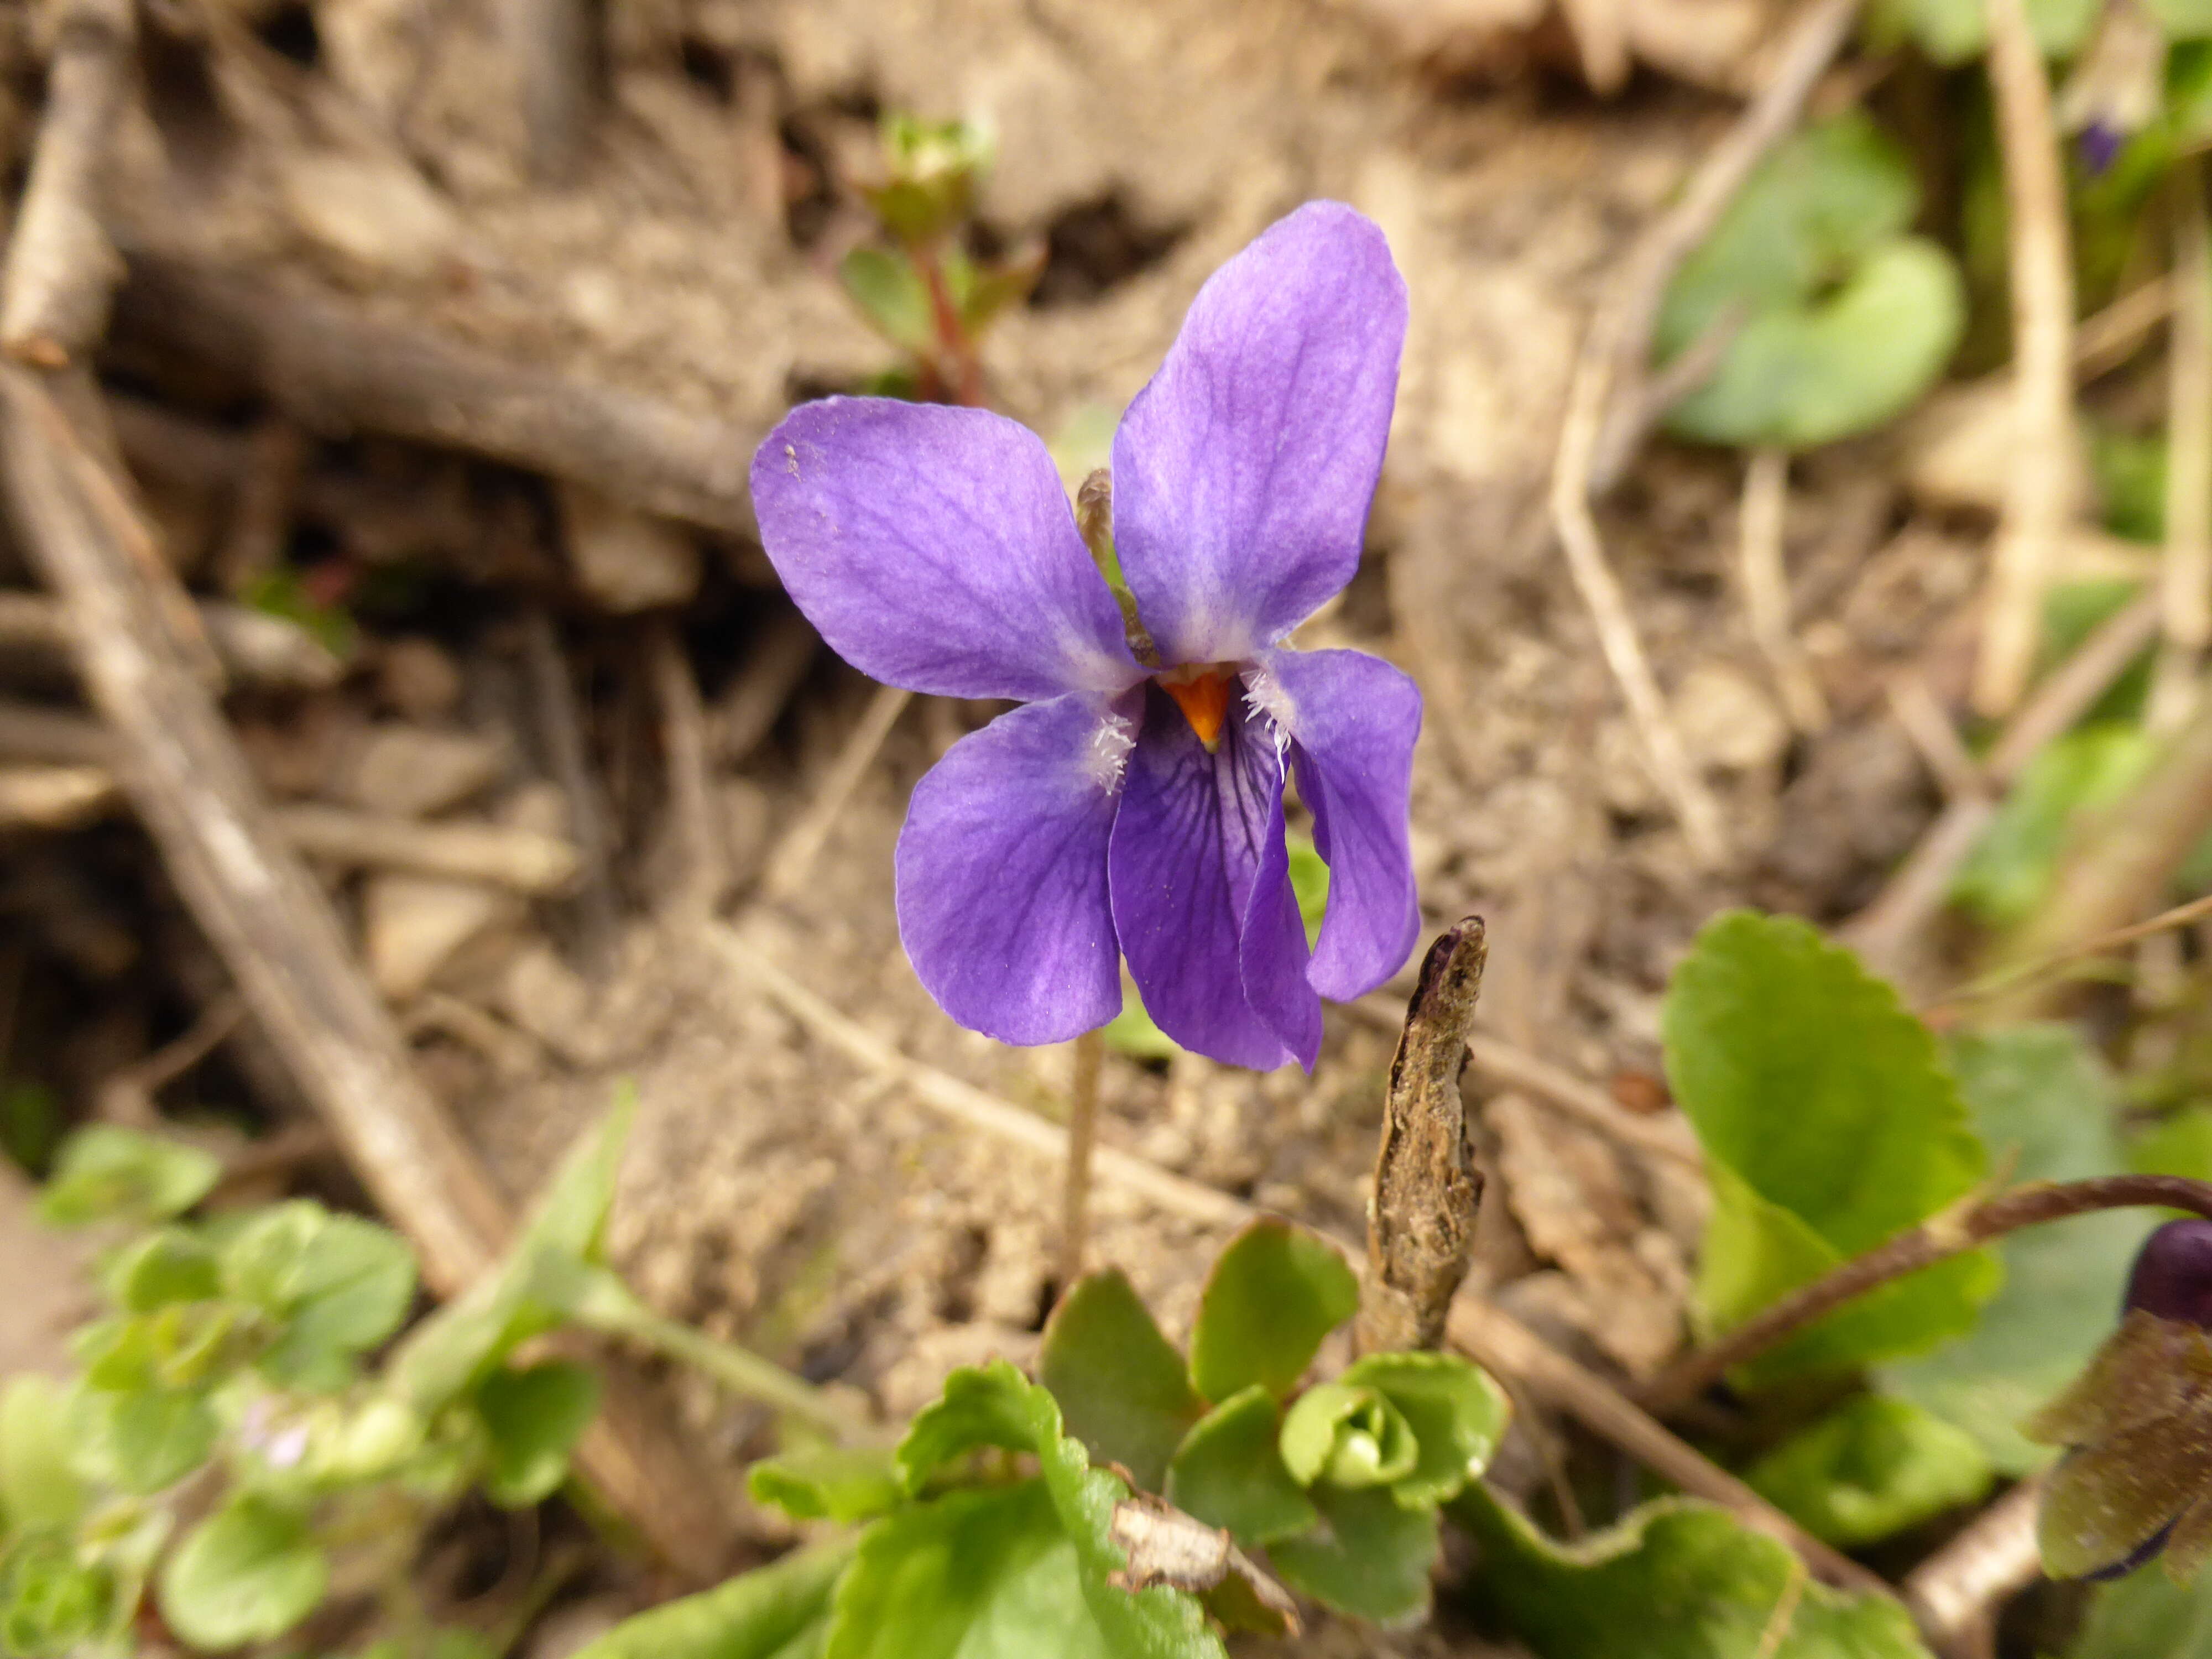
(1347, 1435)
(2172, 1275)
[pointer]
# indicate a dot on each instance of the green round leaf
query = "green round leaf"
(1372, 1558)
(1347, 1435)
(1120, 1385)
(1874, 1466)
(1273, 1294)
(50, 1603)
(38, 1489)
(107, 1173)
(145, 1440)
(1457, 1414)
(166, 1266)
(1229, 1472)
(534, 1417)
(1838, 365)
(247, 1573)
(833, 1482)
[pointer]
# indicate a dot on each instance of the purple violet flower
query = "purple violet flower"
(1135, 807)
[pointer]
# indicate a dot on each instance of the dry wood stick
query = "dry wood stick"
(2186, 574)
(1884, 931)
(55, 797)
(2039, 497)
(276, 934)
(500, 854)
(561, 729)
(1487, 1332)
(1765, 583)
(53, 300)
(1420, 1215)
(333, 369)
(692, 806)
(1613, 350)
(793, 857)
(1953, 1593)
(1938, 1239)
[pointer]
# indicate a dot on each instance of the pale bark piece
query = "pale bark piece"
(625, 559)
(413, 771)
(413, 925)
(55, 797)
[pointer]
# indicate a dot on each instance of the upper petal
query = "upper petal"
(934, 549)
(1002, 896)
(1244, 472)
(1353, 719)
(1188, 850)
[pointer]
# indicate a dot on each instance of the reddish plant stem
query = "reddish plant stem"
(1938, 1239)
(966, 379)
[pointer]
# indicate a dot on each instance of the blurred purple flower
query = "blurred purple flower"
(1135, 808)
(2136, 1482)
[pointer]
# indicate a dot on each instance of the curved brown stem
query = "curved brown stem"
(1949, 1234)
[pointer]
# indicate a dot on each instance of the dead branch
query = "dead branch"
(1612, 350)
(1420, 1214)
(256, 647)
(61, 265)
(2185, 574)
(55, 797)
(334, 370)
(184, 773)
(501, 854)
(1954, 1594)
(2039, 498)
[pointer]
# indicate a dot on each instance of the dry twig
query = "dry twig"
(561, 731)
(1613, 348)
(2039, 499)
(2186, 575)
(332, 369)
(1420, 1214)
(793, 857)
(1765, 580)
(695, 819)
(1955, 1591)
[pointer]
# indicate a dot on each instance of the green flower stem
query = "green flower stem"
(952, 341)
(1951, 1233)
(1090, 1057)
(736, 1369)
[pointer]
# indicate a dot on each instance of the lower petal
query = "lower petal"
(1003, 905)
(1273, 956)
(1353, 719)
(1188, 847)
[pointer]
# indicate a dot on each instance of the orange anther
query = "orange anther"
(1204, 699)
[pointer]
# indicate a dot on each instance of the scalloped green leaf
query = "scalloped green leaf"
(1689, 1579)
(247, 1573)
(1121, 1386)
(1371, 1557)
(1873, 1467)
(1457, 1412)
(1829, 1123)
(534, 1417)
(105, 1172)
(996, 1405)
(1273, 1294)
(1841, 364)
(761, 1614)
(1229, 1472)
(828, 1483)
(2044, 1100)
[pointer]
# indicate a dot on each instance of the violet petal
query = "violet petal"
(1273, 953)
(1353, 721)
(934, 549)
(1003, 905)
(1243, 472)
(1186, 850)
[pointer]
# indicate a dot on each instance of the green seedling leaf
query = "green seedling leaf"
(1838, 365)
(891, 294)
(535, 1417)
(1273, 1294)
(1347, 1435)
(1829, 1123)
(335, 1285)
(247, 1573)
(107, 1173)
(1370, 1557)
(453, 1350)
(2042, 1098)
(1121, 1386)
(2009, 871)
(1456, 1413)
(761, 1615)
(38, 1489)
(280, 592)
(166, 1266)
(828, 1483)
(985, 1574)
(51, 1602)
(1229, 1472)
(1874, 1466)
(144, 1441)
(1689, 1580)
(997, 1406)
